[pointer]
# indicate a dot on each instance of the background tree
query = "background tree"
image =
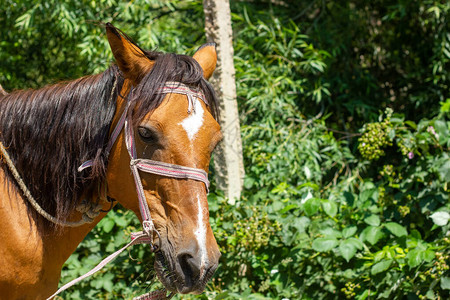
(228, 162)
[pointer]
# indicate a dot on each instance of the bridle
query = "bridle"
(156, 167)
(148, 166)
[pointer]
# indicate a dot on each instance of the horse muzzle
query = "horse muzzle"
(187, 271)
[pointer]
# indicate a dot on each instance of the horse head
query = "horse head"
(173, 129)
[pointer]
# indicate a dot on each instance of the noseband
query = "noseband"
(148, 166)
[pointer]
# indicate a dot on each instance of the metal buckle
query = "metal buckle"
(148, 228)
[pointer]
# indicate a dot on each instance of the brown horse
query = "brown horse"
(50, 132)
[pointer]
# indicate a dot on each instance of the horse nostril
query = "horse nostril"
(190, 268)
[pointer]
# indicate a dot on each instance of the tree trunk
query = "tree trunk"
(228, 161)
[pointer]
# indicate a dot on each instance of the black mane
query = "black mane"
(51, 131)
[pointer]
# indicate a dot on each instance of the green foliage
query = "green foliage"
(47, 41)
(340, 201)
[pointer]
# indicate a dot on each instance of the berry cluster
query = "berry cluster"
(375, 138)
(349, 290)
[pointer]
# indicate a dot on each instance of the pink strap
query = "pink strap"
(179, 88)
(171, 170)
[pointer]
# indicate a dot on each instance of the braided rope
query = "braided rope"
(156, 295)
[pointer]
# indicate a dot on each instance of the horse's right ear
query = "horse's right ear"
(130, 58)
(2, 91)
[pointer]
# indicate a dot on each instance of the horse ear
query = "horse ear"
(129, 57)
(206, 56)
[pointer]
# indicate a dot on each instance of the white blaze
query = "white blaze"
(192, 125)
(194, 121)
(200, 234)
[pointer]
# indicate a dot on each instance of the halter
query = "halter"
(155, 167)
(148, 166)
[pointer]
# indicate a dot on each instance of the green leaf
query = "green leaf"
(324, 244)
(347, 249)
(349, 231)
(223, 295)
(121, 222)
(396, 229)
(445, 283)
(108, 225)
(367, 192)
(411, 124)
(430, 295)
(329, 207)
(301, 223)
(248, 182)
(288, 208)
(440, 218)
(108, 285)
(416, 234)
(314, 186)
(444, 171)
(428, 255)
(445, 106)
(311, 206)
(364, 295)
(277, 205)
(330, 232)
(372, 234)
(356, 242)
(414, 258)
(373, 220)
(381, 266)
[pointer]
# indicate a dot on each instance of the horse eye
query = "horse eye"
(147, 135)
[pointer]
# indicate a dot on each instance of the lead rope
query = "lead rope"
(148, 166)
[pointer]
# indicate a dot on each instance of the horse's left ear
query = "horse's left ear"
(129, 57)
(206, 56)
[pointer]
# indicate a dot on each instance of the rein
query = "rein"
(136, 165)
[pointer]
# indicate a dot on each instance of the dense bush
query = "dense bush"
(345, 122)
